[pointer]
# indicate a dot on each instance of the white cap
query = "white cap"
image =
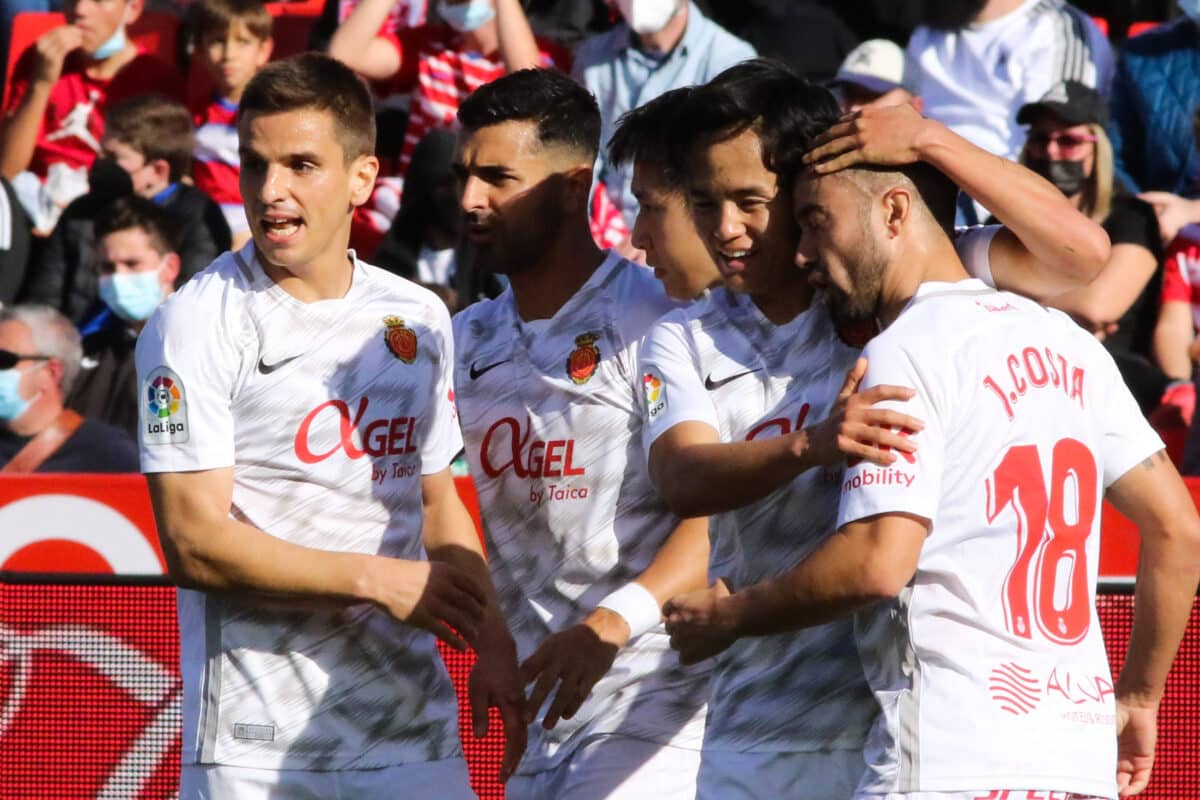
(879, 65)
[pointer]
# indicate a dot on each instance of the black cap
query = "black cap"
(1070, 101)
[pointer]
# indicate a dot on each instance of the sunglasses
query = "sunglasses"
(1040, 140)
(9, 359)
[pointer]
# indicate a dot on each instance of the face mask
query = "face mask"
(647, 16)
(1066, 175)
(114, 45)
(1191, 8)
(466, 17)
(132, 296)
(12, 405)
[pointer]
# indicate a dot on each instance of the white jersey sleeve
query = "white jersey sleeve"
(974, 245)
(443, 439)
(913, 483)
(187, 367)
(671, 389)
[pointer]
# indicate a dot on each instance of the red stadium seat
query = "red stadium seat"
(1138, 28)
(155, 31)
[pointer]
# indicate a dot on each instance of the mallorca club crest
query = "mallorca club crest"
(401, 339)
(581, 364)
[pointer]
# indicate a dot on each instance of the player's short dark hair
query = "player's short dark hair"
(649, 133)
(137, 212)
(766, 96)
(312, 81)
(566, 113)
(155, 126)
(215, 17)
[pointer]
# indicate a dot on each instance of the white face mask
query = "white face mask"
(648, 16)
(1191, 8)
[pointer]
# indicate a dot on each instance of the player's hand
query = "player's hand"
(573, 660)
(52, 50)
(856, 429)
(435, 596)
(495, 682)
(883, 135)
(1137, 731)
(698, 623)
(1173, 212)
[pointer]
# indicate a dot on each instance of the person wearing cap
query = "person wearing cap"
(1067, 145)
(878, 73)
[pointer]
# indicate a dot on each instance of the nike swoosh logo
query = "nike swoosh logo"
(267, 369)
(477, 372)
(710, 384)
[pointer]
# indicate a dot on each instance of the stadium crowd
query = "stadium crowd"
(1047, 155)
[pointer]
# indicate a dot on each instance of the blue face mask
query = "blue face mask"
(132, 296)
(466, 17)
(114, 45)
(12, 405)
(1191, 8)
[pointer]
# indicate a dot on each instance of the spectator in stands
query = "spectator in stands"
(1175, 342)
(233, 40)
(809, 36)
(877, 72)
(440, 64)
(39, 361)
(659, 45)
(424, 243)
(981, 60)
(14, 244)
(53, 122)
(151, 139)
(1067, 145)
(138, 266)
(1157, 86)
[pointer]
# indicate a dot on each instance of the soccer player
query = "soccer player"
(663, 229)
(971, 563)
(297, 428)
(747, 393)
(582, 549)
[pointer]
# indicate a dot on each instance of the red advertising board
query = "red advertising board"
(89, 685)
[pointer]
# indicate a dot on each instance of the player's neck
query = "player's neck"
(785, 303)
(932, 259)
(996, 9)
(545, 287)
(327, 278)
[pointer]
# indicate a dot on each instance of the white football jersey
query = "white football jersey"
(722, 363)
(329, 413)
(551, 418)
(990, 667)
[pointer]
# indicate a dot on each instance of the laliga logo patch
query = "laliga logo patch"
(164, 408)
(581, 364)
(400, 339)
(656, 395)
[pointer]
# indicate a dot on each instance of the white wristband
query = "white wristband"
(636, 606)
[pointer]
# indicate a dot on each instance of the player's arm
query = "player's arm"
(518, 47)
(356, 42)
(698, 474)
(1155, 499)
(450, 537)
(206, 549)
(19, 130)
(865, 562)
(1047, 246)
(1113, 292)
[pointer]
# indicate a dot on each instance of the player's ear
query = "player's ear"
(362, 179)
(897, 206)
(578, 188)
